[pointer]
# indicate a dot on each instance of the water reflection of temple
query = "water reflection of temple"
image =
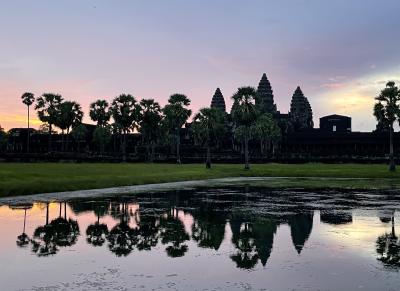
(336, 217)
(171, 223)
(247, 226)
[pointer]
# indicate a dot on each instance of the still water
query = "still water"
(239, 238)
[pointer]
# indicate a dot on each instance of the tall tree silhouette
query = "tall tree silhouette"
(47, 107)
(69, 115)
(387, 111)
(125, 112)
(99, 112)
(245, 114)
(28, 99)
(176, 114)
(208, 126)
(150, 124)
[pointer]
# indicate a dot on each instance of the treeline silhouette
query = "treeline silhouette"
(156, 125)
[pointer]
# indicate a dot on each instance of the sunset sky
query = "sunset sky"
(340, 52)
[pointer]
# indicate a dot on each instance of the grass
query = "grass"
(22, 179)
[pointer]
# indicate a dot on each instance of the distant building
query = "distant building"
(335, 123)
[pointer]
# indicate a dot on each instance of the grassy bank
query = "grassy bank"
(20, 179)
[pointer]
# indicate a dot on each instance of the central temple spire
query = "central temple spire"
(265, 96)
(218, 100)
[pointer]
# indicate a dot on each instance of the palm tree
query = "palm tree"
(245, 114)
(150, 124)
(208, 126)
(99, 112)
(176, 114)
(125, 113)
(387, 111)
(47, 107)
(3, 139)
(70, 115)
(28, 99)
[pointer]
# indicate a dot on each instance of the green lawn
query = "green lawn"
(20, 179)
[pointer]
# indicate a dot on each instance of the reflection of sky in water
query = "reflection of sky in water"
(311, 249)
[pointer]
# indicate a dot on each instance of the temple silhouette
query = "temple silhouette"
(300, 140)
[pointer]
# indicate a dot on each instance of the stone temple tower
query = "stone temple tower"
(300, 115)
(265, 96)
(218, 100)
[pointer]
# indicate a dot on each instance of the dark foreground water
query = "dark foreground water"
(206, 239)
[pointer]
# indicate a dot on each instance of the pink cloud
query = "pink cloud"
(336, 85)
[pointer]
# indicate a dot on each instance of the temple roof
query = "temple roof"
(300, 110)
(218, 100)
(265, 96)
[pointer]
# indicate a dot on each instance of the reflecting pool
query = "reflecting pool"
(233, 238)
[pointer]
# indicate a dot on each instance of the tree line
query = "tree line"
(162, 125)
(156, 124)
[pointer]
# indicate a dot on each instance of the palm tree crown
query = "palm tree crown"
(99, 112)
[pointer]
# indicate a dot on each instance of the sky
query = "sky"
(341, 52)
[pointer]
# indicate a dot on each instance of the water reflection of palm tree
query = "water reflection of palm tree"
(96, 233)
(246, 256)
(388, 248)
(122, 238)
(22, 239)
(148, 232)
(300, 229)
(42, 242)
(66, 230)
(60, 232)
(173, 233)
